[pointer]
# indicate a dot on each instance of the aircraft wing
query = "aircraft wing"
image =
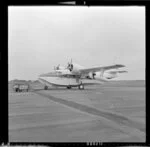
(95, 69)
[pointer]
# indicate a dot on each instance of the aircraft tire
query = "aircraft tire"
(68, 87)
(46, 87)
(81, 86)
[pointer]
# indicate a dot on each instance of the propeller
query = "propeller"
(93, 74)
(70, 65)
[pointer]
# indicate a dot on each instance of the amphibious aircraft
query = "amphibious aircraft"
(74, 75)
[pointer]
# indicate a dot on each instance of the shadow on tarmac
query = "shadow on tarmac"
(120, 119)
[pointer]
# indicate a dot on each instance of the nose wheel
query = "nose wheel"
(81, 87)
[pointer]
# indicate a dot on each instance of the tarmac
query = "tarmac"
(113, 112)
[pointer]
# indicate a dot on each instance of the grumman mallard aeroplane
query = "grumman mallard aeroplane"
(75, 75)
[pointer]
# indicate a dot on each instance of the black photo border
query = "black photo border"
(4, 139)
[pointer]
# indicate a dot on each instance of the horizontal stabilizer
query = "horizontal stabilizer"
(114, 72)
(122, 71)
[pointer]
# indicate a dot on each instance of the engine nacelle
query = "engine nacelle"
(91, 75)
(75, 68)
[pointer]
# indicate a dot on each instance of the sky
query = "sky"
(41, 37)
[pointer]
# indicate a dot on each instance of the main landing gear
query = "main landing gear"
(81, 86)
(46, 87)
(69, 87)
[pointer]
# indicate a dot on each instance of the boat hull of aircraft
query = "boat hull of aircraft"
(65, 82)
